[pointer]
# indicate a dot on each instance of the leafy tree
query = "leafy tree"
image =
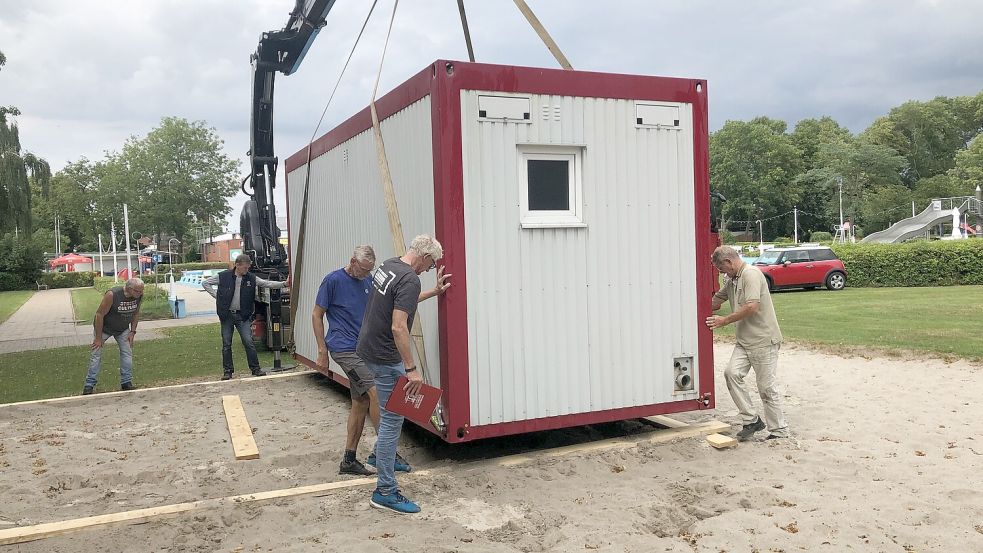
(72, 197)
(968, 170)
(754, 164)
(884, 205)
(928, 134)
(810, 134)
(174, 177)
(15, 168)
(861, 167)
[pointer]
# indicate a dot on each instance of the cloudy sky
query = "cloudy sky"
(87, 74)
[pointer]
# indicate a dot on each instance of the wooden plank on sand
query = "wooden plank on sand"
(242, 435)
(665, 421)
(719, 441)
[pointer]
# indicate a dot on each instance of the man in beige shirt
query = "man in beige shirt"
(758, 342)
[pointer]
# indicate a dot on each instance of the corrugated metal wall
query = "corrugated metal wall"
(571, 320)
(346, 208)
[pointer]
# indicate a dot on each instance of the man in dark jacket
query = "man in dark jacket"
(235, 300)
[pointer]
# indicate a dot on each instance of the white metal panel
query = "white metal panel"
(346, 208)
(574, 320)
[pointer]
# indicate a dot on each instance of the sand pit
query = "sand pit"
(886, 456)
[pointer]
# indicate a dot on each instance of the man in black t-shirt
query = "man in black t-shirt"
(384, 344)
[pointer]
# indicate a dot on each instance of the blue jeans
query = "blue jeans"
(125, 359)
(390, 425)
(234, 320)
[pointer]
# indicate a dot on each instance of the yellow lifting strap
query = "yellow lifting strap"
(392, 210)
(545, 36)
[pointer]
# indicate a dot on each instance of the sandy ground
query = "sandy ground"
(886, 456)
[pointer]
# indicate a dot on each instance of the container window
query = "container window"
(550, 186)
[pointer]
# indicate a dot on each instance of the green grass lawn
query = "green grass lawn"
(86, 300)
(188, 353)
(11, 302)
(943, 320)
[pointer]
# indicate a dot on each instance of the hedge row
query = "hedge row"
(104, 284)
(181, 267)
(68, 280)
(921, 263)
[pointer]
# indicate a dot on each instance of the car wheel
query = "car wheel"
(836, 281)
(771, 284)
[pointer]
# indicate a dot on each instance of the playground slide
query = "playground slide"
(912, 226)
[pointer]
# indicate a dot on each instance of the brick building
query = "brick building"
(221, 248)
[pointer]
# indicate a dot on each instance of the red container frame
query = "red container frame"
(443, 81)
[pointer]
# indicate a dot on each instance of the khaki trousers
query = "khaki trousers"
(764, 360)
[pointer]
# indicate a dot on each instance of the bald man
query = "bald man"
(116, 317)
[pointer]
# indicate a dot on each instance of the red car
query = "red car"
(802, 267)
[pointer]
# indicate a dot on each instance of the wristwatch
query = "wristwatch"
(410, 369)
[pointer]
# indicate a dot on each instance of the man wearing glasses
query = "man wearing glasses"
(342, 296)
(384, 344)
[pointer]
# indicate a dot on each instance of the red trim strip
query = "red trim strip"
(579, 419)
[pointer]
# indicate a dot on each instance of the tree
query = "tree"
(754, 164)
(884, 205)
(928, 134)
(16, 170)
(72, 197)
(968, 170)
(174, 177)
(810, 134)
(861, 167)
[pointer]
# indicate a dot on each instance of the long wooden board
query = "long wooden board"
(51, 529)
(243, 443)
(101, 395)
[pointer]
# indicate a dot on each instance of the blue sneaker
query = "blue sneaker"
(395, 502)
(401, 464)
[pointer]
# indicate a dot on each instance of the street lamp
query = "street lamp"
(842, 235)
(170, 256)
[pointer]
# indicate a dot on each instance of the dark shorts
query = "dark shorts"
(360, 378)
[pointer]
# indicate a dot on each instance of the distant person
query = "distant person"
(385, 346)
(235, 301)
(117, 316)
(758, 342)
(342, 296)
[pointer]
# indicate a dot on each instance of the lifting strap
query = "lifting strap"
(467, 33)
(545, 36)
(392, 210)
(302, 231)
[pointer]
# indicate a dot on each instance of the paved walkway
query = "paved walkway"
(46, 321)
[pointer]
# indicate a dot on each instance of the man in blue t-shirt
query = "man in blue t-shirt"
(342, 297)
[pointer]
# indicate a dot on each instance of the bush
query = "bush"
(181, 267)
(820, 236)
(921, 263)
(104, 284)
(783, 240)
(10, 281)
(67, 280)
(727, 237)
(20, 262)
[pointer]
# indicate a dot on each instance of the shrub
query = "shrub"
(104, 284)
(921, 263)
(10, 281)
(181, 267)
(782, 240)
(727, 237)
(68, 280)
(820, 236)
(20, 262)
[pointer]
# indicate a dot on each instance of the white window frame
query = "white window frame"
(568, 218)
